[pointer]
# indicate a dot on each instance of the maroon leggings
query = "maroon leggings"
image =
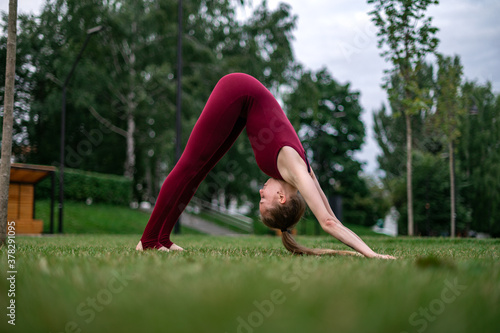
(219, 125)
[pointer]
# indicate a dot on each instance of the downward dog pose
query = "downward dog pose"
(239, 101)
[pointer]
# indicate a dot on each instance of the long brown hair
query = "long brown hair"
(284, 217)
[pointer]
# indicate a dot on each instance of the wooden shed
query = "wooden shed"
(21, 208)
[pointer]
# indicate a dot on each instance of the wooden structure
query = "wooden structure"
(21, 208)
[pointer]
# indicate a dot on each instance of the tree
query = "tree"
(409, 36)
(428, 166)
(448, 113)
(390, 129)
(478, 156)
(48, 45)
(21, 88)
(8, 118)
(260, 47)
(431, 196)
(326, 115)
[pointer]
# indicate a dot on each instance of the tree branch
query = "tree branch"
(107, 123)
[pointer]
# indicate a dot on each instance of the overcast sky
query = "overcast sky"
(338, 35)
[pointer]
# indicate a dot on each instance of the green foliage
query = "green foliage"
(365, 210)
(478, 152)
(449, 109)
(406, 31)
(128, 75)
(23, 85)
(391, 129)
(327, 117)
(390, 134)
(82, 185)
(476, 135)
(260, 47)
(401, 20)
(431, 196)
(409, 36)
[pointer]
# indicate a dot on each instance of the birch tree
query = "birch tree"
(448, 113)
(408, 35)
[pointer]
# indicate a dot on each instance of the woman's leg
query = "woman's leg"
(220, 123)
(192, 185)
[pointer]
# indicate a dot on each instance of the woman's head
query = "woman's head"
(275, 194)
(281, 207)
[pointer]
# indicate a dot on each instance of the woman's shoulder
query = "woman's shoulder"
(291, 164)
(290, 155)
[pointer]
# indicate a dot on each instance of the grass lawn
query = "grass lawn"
(80, 218)
(98, 283)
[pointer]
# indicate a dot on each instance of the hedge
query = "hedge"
(82, 185)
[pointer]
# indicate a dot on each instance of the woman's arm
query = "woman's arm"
(294, 171)
(320, 190)
(325, 200)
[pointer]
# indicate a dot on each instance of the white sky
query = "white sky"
(339, 35)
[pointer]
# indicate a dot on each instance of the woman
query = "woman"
(239, 101)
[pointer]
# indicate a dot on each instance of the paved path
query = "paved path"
(194, 222)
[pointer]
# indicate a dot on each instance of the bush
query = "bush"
(82, 185)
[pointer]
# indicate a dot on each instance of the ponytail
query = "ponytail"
(292, 246)
(286, 216)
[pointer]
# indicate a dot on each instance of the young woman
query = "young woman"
(239, 101)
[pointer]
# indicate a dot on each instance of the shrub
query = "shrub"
(82, 185)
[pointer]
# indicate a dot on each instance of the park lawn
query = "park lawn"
(80, 218)
(99, 283)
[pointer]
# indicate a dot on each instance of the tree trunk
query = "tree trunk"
(409, 171)
(452, 188)
(130, 159)
(131, 106)
(8, 111)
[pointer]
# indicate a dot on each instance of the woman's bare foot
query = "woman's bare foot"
(140, 248)
(176, 247)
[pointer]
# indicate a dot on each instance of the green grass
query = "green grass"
(98, 283)
(80, 218)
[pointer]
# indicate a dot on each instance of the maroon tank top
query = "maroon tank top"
(269, 129)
